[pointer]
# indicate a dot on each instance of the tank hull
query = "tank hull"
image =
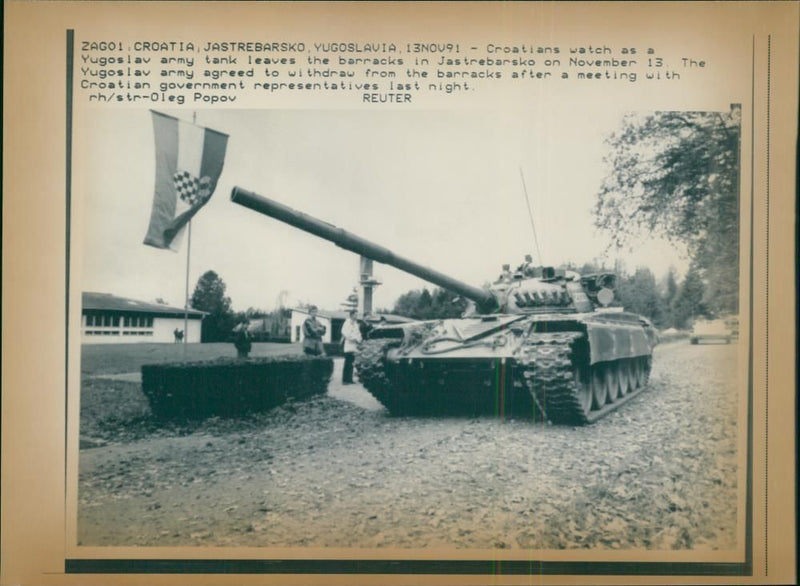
(568, 369)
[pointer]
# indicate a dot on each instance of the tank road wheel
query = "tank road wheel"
(624, 374)
(611, 377)
(583, 388)
(636, 374)
(600, 387)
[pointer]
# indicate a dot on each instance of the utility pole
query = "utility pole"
(367, 283)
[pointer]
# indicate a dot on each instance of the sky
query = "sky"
(440, 187)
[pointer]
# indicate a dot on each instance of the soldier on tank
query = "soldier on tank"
(505, 276)
(527, 267)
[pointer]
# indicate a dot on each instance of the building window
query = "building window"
(113, 324)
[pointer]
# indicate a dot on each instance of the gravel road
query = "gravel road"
(337, 471)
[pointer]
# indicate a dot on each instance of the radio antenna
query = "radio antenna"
(530, 215)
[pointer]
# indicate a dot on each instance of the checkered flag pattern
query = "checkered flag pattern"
(190, 189)
(189, 160)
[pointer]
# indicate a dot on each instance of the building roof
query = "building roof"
(107, 302)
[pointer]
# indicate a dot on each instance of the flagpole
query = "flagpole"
(186, 293)
(186, 289)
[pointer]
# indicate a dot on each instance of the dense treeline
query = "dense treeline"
(422, 304)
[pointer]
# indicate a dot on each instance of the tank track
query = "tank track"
(547, 368)
(371, 371)
(549, 363)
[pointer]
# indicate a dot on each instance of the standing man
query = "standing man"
(243, 341)
(351, 335)
(312, 334)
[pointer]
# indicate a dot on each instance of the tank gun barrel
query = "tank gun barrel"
(484, 298)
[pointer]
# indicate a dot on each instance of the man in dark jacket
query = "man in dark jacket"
(243, 341)
(312, 334)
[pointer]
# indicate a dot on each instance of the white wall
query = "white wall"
(163, 328)
(161, 332)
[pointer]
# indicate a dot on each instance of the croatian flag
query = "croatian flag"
(189, 161)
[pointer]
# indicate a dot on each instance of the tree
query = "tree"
(209, 296)
(669, 287)
(689, 301)
(639, 294)
(424, 307)
(406, 304)
(422, 304)
(676, 174)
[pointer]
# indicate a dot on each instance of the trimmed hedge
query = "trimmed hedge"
(229, 387)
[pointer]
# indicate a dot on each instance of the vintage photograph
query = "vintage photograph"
(384, 292)
(496, 329)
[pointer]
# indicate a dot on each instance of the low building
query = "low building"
(108, 319)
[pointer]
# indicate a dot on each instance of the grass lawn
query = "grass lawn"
(118, 358)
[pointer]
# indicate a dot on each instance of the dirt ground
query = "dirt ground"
(337, 471)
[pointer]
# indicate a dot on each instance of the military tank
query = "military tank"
(537, 342)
